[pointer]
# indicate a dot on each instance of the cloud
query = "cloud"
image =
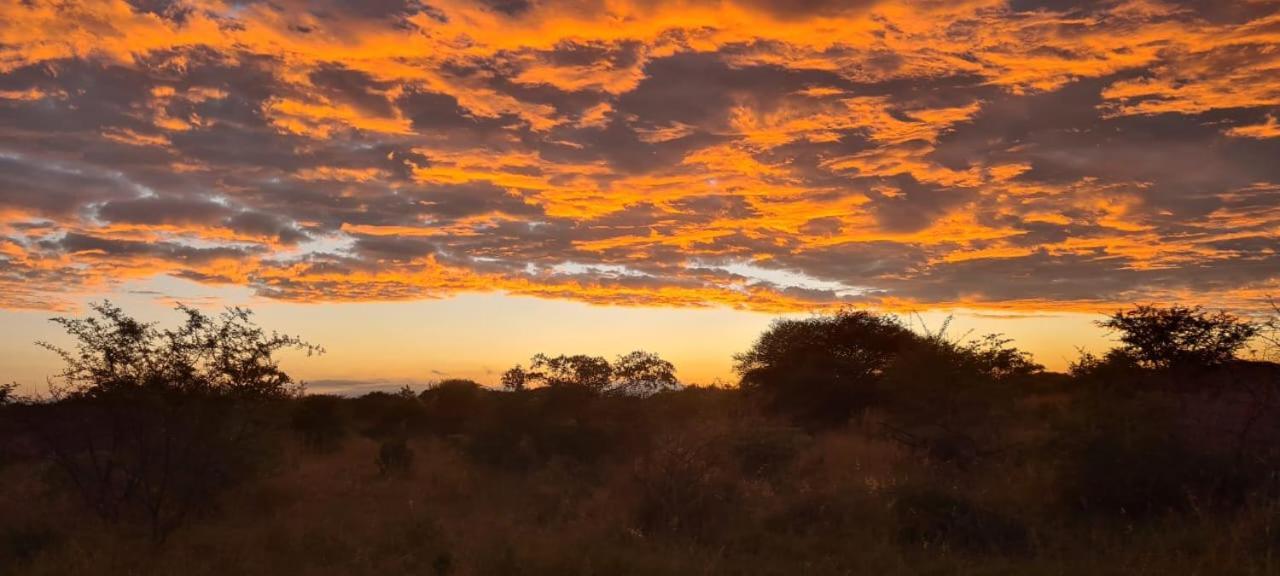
(998, 154)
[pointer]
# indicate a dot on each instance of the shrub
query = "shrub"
(149, 425)
(452, 404)
(954, 401)
(1114, 367)
(394, 457)
(1143, 473)
(571, 424)
(321, 422)
(766, 451)
(22, 544)
(381, 415)
(683, 491)
(937, 518)
(8, 393)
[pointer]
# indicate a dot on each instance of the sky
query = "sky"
(446, 187)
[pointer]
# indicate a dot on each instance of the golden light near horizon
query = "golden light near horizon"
(484, 179)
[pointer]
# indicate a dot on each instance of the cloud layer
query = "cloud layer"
(759, 154)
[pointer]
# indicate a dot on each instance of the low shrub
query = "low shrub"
(451, 405)
(765, 452)
(22, 544)
(935, 518)
(1144, 474)
(321, 422)
(683, 491)
(1124, 454)
(395, 457)
(380, 415)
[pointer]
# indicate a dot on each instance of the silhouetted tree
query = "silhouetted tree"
(589, 372)
(7, 393)
(1179, 335)
(642, 373)
(1117, 365)
(150, 424)
(515, 379)
(994, 357)
(637, 373)
(823, 369)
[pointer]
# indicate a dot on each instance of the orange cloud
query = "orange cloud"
(1025, 155)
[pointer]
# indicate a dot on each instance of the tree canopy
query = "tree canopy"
(1159, 337)
(637, 373)
(223, 355)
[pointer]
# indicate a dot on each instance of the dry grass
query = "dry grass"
(716, 491)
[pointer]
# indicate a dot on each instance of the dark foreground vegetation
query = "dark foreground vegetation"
(852, 446)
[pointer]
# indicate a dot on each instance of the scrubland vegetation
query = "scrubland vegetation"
(852, 445)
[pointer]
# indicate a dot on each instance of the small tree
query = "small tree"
(638, 373)
(515, 379)
(823, 369)
(1179, 336)
(642, 373)
(589, 372)
(994, 357)
(150, 424)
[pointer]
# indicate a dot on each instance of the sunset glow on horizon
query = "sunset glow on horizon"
(442, 188)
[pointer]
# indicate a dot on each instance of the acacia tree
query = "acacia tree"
(149, 424)
(823, 369)
(515, 379)
(590, 372)
(637, 373)
(1179, 336)
(643, 373)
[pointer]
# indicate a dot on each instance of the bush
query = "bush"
(1113, 368)
(380, 415)
(1144, 474)
(683, 491)
(8, 393)
(823, 370)
(935, 518)
(766, 452)
(321, 422)
(572, 424)
(394, 457)
(150, 425)
(954, 400)
(22, 544)
(452, 404)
